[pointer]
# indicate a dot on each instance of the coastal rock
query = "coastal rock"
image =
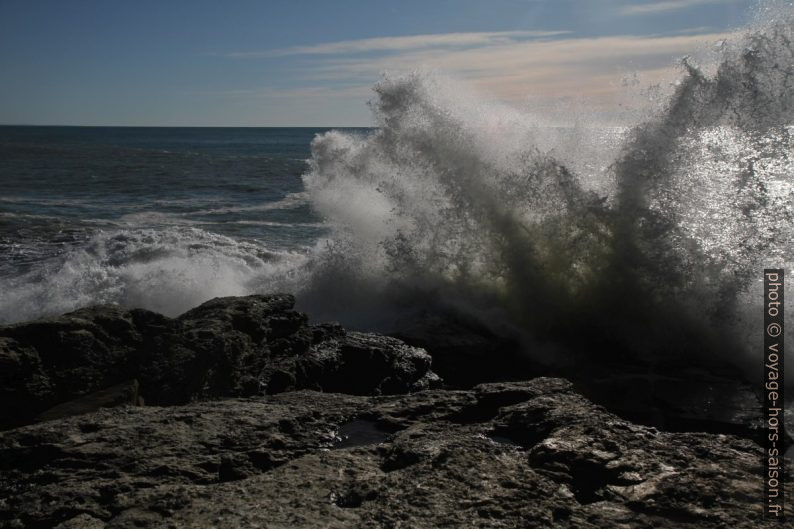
(678, 396)
(224, 348)
(124, 394)
(519, 454)
(674, 392)
(459, 343)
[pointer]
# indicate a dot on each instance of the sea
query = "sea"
(159, 217)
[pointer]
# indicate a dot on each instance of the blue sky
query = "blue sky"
(307, 63)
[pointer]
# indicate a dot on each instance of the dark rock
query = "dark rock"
(124, 394)
(21, 373)
(268, 462)
(362, 364)
(224, 348)
(677, 396)
(686, 393)
(458, 345)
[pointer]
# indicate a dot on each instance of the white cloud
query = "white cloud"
(539, 72)
(548, 68)
(410, 42)
(664, 6)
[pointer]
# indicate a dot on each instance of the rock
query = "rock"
(673, 392)
(518, 454)
(21, 374)
(678, 396)
(82, 521)
(459, 343)
(224, 348)
(362, 364)
(124, 394)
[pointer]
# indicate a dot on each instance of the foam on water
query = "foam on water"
(168, 270)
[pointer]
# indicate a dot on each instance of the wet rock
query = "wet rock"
(226, 347)
(281, 461)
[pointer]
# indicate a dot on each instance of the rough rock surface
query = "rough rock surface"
(124, 394)
(226, 347)
(525, 454)
(675, 391)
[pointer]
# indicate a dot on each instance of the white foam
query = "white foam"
(167, 270)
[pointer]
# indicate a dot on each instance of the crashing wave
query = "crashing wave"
(451, 202)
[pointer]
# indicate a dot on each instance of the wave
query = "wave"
(169, 270)
(290, 201)
(466, 205)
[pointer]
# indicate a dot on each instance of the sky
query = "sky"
(313, 63)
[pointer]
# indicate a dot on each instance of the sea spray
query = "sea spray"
(704, 194)
(451, 203)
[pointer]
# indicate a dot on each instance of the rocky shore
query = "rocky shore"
(240, 413)
(227, 347)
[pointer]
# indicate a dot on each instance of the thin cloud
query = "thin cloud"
(538, 66)
(404, 43)
(665, 6)
(359, 92)
(543, 71)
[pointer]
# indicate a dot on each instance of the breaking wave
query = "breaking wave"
(469, 206)
(168, 270)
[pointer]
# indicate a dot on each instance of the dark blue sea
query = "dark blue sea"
(156, 217)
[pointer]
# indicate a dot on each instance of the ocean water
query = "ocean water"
(648, 238)
(158, 217)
